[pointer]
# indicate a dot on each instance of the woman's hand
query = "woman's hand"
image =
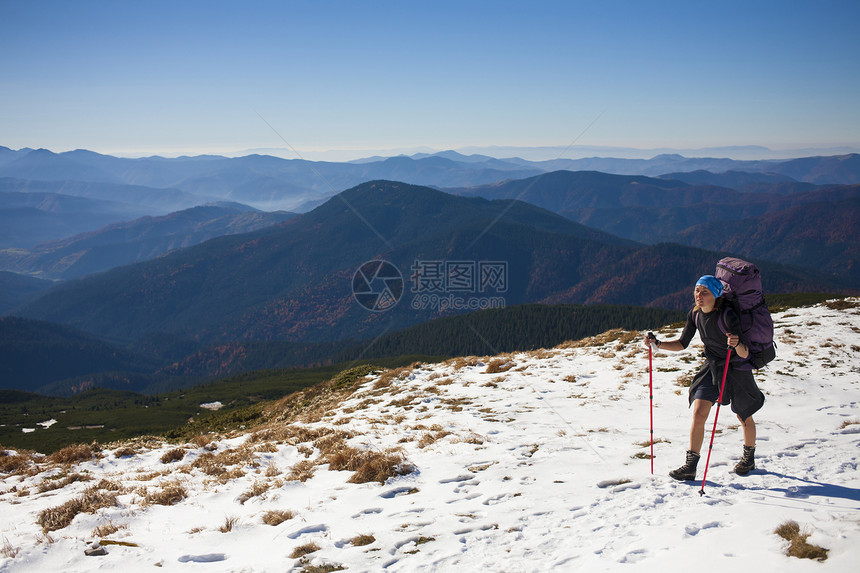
(734, 342)
(651, 341)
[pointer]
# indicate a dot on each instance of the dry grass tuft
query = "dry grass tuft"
(259, 488)
(124, 451)
(216, 464)
(368, 465)
(841, 304)
(465, 362)
(229, 522)
(60, 481)
(431, 438)
(363, 539)
(272, 470)
(542, 353)
(74, 453)
(344, 459)
(798, 546)
(685, 380)
(277, 516)
(498, 365)
(14, 463)
(8, 551)
(303, 550)
(380, 466)
(54, 518)
(173, 455)
(302, 471)
(168, 495)
(332, 442)
(472, 438)
(106, 529)
(621, 337)
(847, 423)
(204, 441)
(406, 402)
(109, 485)
(388, 377)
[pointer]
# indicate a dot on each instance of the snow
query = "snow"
(539, 466)
(212, 406)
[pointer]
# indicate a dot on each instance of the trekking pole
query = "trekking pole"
(717, 415)
(651, 395)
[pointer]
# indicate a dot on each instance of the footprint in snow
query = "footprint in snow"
(693, 530)
(397, 491)
(318, 528)
(367, 512)
(206, 558)
(634, 556)
(614, 482)
(459, 478)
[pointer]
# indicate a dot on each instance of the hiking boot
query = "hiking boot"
(688, 470)
(747, 463)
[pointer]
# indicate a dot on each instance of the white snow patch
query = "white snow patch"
(560, 483)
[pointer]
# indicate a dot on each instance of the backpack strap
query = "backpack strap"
(724, 324)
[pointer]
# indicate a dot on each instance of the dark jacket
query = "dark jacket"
(741, 390)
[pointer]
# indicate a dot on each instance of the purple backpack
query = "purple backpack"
(742, 291)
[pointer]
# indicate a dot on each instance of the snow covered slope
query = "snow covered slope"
(523, 462)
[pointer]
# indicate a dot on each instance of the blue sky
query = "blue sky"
(196, 77)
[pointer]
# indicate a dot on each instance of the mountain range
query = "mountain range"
(809, 225)
(292, 281)
(141, 239)
(272, 183)
(201, 289)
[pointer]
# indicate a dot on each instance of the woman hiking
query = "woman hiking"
(741, 390)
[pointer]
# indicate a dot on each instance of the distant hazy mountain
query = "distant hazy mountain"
(30, 218)
(820, 235)
(737, 152)
(134, 241)
(652, 210)
(294, 281)
(743, 181)
(266, 182)
(640, 208)
(272, 183)
(842, 169)
(819, 170)
(44, 165)
(156, 200)
(16, 290)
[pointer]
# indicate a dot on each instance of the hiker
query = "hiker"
(740, 390)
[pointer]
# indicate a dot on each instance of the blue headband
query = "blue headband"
(711, 283)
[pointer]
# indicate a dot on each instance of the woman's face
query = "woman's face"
(703, 297)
